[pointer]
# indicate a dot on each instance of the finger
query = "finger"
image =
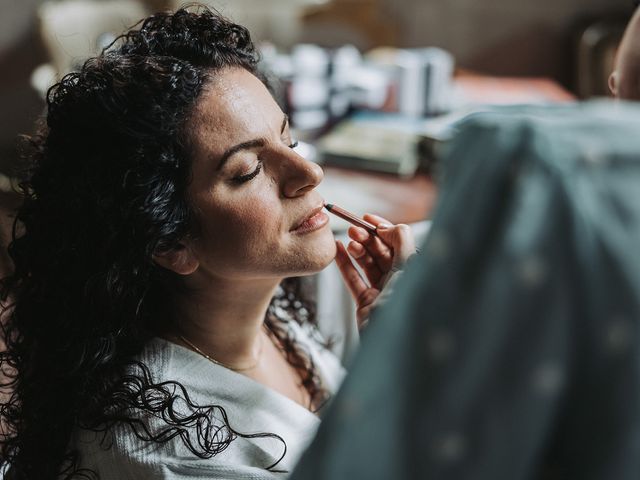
(358, 234)
(381, 253)
(366, 303)
(381, 222)
(366, 262)
(401, 240)
(376, 219)
(373, 243)
(356, 249)
(352, 278)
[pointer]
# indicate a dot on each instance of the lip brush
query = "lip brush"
(351, 218)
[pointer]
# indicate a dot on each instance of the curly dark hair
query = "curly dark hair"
(107, 190)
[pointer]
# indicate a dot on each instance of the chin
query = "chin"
(326, 255)
(317, 256)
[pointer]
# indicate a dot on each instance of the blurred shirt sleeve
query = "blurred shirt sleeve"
(511, 347)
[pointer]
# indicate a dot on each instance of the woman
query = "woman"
(150, 333)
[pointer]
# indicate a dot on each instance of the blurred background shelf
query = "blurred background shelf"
(566, 44)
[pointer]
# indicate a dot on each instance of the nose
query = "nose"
(298, 175)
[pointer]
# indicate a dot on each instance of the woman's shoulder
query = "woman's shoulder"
(166, 360)
(181, 421)
(157, 354)
(124, 456)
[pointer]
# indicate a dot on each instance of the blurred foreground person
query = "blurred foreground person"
(510, 350)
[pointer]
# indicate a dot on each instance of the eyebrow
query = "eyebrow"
(258, 142)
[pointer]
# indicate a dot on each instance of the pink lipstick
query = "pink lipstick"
(315, 221)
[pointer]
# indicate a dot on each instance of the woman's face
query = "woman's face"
(258, 212)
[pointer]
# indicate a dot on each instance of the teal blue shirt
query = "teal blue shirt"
(511, 347)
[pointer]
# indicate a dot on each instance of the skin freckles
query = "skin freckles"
(250, 191)
(244, 228)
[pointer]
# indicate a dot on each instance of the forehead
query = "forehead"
(234, 107)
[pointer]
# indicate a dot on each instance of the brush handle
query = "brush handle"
(351, 218)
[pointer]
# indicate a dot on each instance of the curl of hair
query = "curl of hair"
(105, 190)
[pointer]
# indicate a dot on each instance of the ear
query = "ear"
(180, 260)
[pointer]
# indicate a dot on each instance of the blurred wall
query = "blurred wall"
(507, 37)
(273, 20)
(504, 37)
(21, 51)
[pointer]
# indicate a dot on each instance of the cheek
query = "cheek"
(247, 225)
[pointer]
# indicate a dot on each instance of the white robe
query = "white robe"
(250, 406)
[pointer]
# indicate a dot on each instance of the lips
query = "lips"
(314, 220)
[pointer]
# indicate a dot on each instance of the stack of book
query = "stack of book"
(401, 144)
(386, 142)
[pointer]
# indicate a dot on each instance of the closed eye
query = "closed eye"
(249, 176)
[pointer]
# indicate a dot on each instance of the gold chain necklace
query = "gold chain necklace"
(213, 360)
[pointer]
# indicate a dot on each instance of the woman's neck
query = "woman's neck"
(224, 319)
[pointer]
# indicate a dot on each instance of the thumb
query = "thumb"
(400, 239)
(389, 234)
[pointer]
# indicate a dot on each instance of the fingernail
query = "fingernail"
(384, 226)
